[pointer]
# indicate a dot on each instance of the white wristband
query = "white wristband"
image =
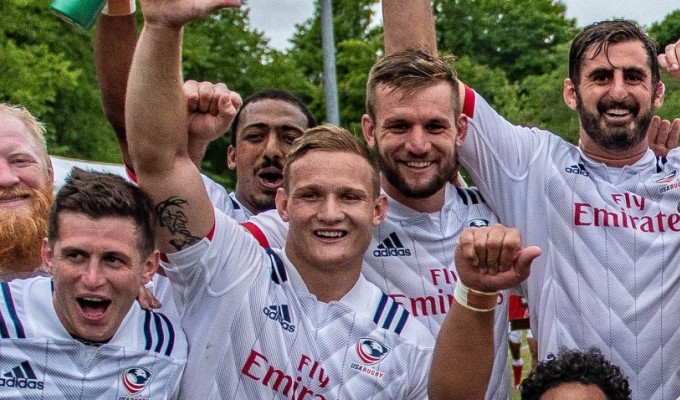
(473, 299)
(119, 8)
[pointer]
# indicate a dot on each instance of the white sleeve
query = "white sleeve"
(268, 228)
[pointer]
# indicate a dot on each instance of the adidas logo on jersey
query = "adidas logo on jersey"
(391, 247)
(578, 169)
(280, 314)
(21, 377)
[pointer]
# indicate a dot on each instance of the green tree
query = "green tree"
(357, 48)
(47, 66)
(516, 36)
(667, 31)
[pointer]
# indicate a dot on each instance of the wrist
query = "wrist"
(474, 299)
(119, 8)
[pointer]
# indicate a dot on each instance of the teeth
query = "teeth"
(618, 112)
(92, 299)
(418, 164)
(330, 234)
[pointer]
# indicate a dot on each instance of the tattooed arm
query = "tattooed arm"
(157, 121)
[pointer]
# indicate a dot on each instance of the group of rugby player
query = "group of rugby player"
(364, 258)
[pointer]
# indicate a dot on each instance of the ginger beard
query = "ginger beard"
(22, 230)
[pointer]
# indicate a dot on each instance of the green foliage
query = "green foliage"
(517, 36)
(666, 31)
(52, 74)
(357, 48)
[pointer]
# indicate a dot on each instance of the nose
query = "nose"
(93, 276)
(8, 177)
(330, 210)
(272, 147)
(418, 141)
(619, 89)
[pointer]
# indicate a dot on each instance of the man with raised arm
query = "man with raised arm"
(300, 322)
(263, 128)
(610, 236)
(413, 123)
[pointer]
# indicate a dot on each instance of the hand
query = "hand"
(212, 108)
(489, 259)
(179, 12)
(147, 300)
(669, 59)
(663, 135)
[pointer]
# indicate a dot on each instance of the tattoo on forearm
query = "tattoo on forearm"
(171, 216)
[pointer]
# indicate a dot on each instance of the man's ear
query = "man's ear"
(231, 157)
(569, 94)
(46, 255)
(368, 129)
(150, 266)
(380, 209)
(659, 94)
(281, 201)
(462, 128)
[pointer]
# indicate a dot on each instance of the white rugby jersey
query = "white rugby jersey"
(218, 195)
(608, 276)
(411, 258)
(40, 360)
(257, 333)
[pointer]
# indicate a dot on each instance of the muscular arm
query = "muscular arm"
(157, 121)
(114, 46)
(408, 24)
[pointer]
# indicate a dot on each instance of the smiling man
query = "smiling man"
(25, 192)
(605, 211)
(80, 334)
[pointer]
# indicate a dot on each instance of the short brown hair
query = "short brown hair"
(410, 71)
(331, 138)
(100, 195)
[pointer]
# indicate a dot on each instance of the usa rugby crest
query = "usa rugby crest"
(371, 351)
(135, 379)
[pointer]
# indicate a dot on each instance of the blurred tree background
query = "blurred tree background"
(513, 52)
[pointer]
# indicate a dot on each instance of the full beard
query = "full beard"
(617, 137)
(22, 231)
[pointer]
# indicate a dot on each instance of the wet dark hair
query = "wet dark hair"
(601, 35)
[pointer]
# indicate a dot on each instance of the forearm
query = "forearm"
(156, 112)
(464, 355)
(114, 46)
(408, 24)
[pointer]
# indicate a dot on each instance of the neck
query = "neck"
(22, 272)
(327, 283)
(428, 204)
(616, 159)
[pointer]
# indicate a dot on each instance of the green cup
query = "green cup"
(82, 13)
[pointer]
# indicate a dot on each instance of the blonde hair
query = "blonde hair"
(331, 138)
(35, 128)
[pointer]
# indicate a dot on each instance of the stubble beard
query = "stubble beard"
(22, 231)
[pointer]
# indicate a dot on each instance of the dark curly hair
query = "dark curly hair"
(588, 368)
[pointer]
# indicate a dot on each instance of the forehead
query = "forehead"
(273, 113)
(14, 135)
(106, 234)
(623, 55)
(435, 101)
(331, 170)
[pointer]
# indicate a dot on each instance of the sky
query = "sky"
(277, 18)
